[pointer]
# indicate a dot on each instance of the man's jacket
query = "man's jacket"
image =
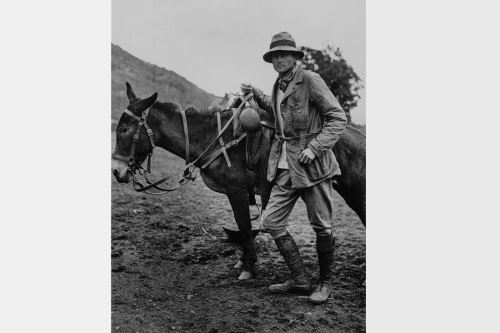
(312, 118)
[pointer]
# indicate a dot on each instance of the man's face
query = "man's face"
(283, 61)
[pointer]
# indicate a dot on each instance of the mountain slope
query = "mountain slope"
(147, 78)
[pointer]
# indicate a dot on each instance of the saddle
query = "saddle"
(258, 146)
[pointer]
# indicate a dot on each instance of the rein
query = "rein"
(190, 167)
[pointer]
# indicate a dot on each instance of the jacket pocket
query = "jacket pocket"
(299, 117)
(319, 167)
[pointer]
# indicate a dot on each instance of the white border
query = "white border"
(55, 229)
(432, 166)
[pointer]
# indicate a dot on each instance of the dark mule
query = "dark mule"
(350, 152)
(165, 121)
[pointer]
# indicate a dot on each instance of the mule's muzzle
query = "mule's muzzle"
(121, 178)
(121, 172)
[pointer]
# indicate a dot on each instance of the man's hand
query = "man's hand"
(246, 88)
(306, 156)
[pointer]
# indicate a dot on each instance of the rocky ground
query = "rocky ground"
(172, 268)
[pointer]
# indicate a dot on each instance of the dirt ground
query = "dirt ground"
(172, 270)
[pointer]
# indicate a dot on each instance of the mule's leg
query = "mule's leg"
(251, 196)
(355, 197)
(239, 203)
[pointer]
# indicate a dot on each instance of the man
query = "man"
(308, 121)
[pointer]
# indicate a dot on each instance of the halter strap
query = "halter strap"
(142, 121)
(150, 135)
(135, 138)
(130, 113)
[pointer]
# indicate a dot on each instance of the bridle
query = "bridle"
(135, 168)
(142, 122)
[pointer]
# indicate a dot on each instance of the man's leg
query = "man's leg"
(319, 205)
(274, 220)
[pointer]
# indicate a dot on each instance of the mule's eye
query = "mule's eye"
(123, 130)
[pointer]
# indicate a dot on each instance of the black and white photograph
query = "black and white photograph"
(238, 190)
(210, 166)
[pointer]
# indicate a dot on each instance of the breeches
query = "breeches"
(318, 200)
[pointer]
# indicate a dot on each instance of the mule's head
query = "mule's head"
(125, 131)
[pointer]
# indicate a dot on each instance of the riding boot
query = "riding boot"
(324, 246)
(299, 281)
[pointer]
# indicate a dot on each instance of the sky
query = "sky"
(218, 44)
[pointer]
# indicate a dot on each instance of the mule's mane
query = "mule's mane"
(204, 115)
(190, 110)
(166, 106)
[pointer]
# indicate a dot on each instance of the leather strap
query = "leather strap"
(267, 123)
(135, 139)
(143, 188)
(150, 134)
(216, 153)
(121, 157)
(236, 113)
(213, 141)
(224, 152)
(127, 111)
(186, 134)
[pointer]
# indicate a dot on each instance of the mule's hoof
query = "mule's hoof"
(239, 265)
(245, 275)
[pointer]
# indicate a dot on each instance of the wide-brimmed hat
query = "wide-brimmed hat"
(282, 41)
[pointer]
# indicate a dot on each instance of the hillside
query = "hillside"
(147, 78)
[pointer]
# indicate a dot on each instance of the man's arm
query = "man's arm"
(335, 119)
(262, 100)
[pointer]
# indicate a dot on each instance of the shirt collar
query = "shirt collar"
(285, 79)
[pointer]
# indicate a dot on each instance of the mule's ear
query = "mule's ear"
(130, 93)
(146, 103)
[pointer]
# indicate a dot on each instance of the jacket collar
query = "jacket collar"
(292, 86)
